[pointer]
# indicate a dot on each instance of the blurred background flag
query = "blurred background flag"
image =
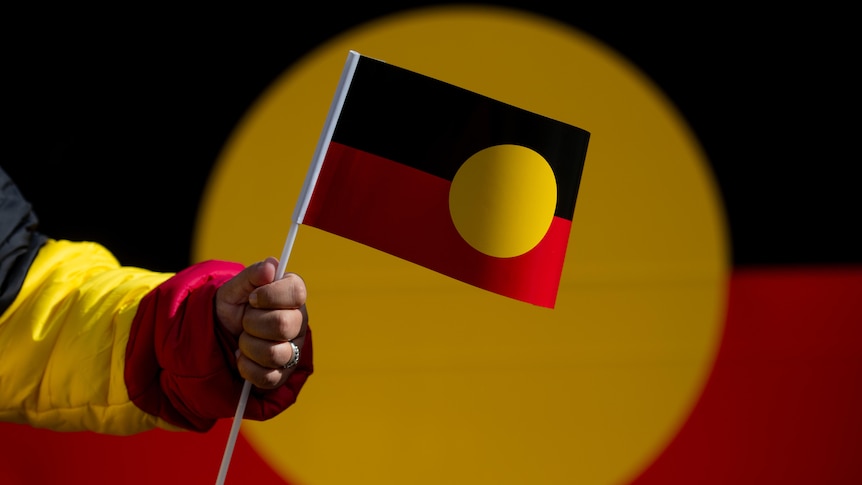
(187, 113)
(465, 185)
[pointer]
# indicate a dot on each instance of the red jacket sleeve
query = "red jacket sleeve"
(180, 363)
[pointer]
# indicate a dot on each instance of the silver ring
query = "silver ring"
(295, 359)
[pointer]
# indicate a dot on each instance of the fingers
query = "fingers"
(271, 324)
(233, 297)
(265, 339)
(268, 364)
(287, 292)
(277, 325)
(266, 353)
(237, 290)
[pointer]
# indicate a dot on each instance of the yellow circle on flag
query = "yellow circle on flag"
(422, 379)
(502, 200)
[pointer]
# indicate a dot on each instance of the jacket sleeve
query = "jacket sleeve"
(92, 345)
(180, 363)
(63, 341)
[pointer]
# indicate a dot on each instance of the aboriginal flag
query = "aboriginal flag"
(465, 185)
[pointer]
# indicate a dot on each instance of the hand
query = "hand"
(265, 315)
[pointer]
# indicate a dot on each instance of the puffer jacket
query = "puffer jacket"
(89, 344)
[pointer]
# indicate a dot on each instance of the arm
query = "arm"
(88, 344)
(173, 369)
(91, 345)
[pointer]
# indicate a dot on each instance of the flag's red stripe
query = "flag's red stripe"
(782, 406)
(405, 212)
(784, 402)
(157, 456)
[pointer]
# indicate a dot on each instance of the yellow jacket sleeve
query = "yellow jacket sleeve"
(63, 340)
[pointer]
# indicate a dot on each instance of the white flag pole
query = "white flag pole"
(246, 387)
(298, 216)
(234, 432)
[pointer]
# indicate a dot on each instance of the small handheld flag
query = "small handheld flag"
(460, 183)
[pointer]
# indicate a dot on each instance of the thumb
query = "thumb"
(236, 290)
(232, 296)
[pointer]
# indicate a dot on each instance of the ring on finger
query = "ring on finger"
(293, 360)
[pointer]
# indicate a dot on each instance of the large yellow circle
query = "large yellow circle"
(422, 379)
(502, 200)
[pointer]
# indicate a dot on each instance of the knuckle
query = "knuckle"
(291, 324)
(299, 292)
(270, 380)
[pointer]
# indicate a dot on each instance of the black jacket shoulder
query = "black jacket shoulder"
(20, 239)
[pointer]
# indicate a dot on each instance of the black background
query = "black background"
(113, 118)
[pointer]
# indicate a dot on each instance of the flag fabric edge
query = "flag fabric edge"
(326, 135)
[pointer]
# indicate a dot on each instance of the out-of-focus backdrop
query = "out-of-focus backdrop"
(131, 127)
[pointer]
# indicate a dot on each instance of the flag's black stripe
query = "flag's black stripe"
(434, 126)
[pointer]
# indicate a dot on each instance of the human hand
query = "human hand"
(265, 316)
